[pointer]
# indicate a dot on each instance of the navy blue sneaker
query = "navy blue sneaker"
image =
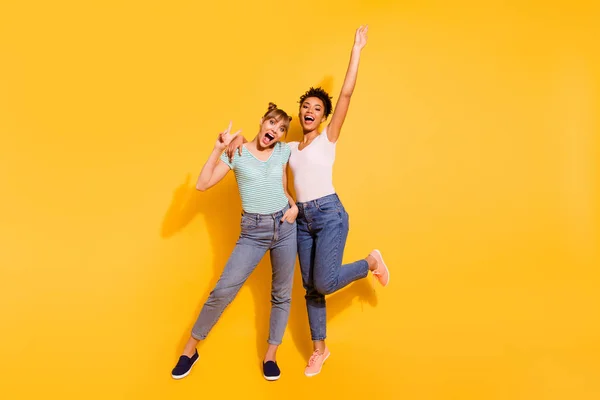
(271, 371)
(184, 366)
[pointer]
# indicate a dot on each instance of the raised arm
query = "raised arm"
(214, 170)
(341, 107)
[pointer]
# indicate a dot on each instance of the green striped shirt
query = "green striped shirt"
(260, 183)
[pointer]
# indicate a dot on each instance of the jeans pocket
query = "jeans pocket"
(329, 207)
(248, 222)
(287, 228)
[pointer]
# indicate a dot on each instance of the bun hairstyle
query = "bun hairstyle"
(278, 114)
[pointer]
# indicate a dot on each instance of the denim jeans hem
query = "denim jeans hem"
(198, 337)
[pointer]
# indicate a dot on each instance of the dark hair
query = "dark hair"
(321, 94)
(278, 114)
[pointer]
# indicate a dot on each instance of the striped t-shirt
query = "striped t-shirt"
(260, 183)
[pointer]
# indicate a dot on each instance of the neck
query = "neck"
(310, 135)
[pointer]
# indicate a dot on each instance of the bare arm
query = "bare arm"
(341, 107)
(291, 214)
(286, 188)
(236, 144)
(214, 170)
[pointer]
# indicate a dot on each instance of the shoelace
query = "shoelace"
(313, 358)
(376, 273)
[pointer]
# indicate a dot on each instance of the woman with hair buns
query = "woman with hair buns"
(268, 223)
(323, 222)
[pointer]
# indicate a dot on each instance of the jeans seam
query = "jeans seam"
(336, 251)
(282, 241)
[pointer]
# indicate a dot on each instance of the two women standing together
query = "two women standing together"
(314, 227)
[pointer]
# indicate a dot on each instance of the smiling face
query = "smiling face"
(312, 113)
(272, 129)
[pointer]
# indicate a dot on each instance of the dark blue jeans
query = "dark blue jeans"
(322, 232)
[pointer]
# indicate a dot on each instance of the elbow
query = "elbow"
(201, 187)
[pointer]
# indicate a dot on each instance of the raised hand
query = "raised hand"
(225, 138)
(360, 38)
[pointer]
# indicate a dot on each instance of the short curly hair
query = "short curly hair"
(321, 94)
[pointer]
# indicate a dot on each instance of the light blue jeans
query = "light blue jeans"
(323, 226)
(259, 233)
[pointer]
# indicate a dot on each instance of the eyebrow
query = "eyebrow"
(309, 103)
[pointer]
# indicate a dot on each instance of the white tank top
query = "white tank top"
(313, 168)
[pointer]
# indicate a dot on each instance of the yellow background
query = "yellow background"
(469, 157)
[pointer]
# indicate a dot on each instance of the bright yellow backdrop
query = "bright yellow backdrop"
(470, 157)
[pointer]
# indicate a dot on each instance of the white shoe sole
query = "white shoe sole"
(271, 378)
(187, 373)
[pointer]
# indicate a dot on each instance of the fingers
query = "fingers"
(289, 217)
(229, 127)
(235, 134)
(361, 34)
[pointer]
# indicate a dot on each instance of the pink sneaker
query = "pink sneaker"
(316, 362)
(381, 272)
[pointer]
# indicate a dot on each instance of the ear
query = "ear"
(260, 122)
